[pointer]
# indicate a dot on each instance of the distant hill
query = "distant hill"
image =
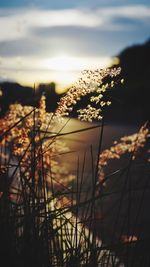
(133, 98)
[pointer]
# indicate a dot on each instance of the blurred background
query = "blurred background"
(46, 44)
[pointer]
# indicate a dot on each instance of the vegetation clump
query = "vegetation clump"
(45, 212)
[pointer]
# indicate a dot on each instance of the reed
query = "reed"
(48, 215)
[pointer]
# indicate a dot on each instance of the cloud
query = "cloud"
(26, 46)
(18, 23)
(139, 12)
(53, 63)
(75, 41)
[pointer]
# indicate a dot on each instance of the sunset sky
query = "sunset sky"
(53, 40)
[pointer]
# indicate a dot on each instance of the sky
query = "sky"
(43, 41)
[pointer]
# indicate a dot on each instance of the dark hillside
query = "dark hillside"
(131, 101)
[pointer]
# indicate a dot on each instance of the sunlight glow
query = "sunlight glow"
(64, 63)
(66, 69)
(63, 69)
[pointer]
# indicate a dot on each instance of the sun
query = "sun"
(64, 63)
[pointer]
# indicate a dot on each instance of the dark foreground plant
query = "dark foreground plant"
(49, 216)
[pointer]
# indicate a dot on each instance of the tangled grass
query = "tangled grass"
(46, 217)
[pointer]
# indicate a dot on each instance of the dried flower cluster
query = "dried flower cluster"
(22, 135)
(92, 81)
(128, 144)
(128, 239)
